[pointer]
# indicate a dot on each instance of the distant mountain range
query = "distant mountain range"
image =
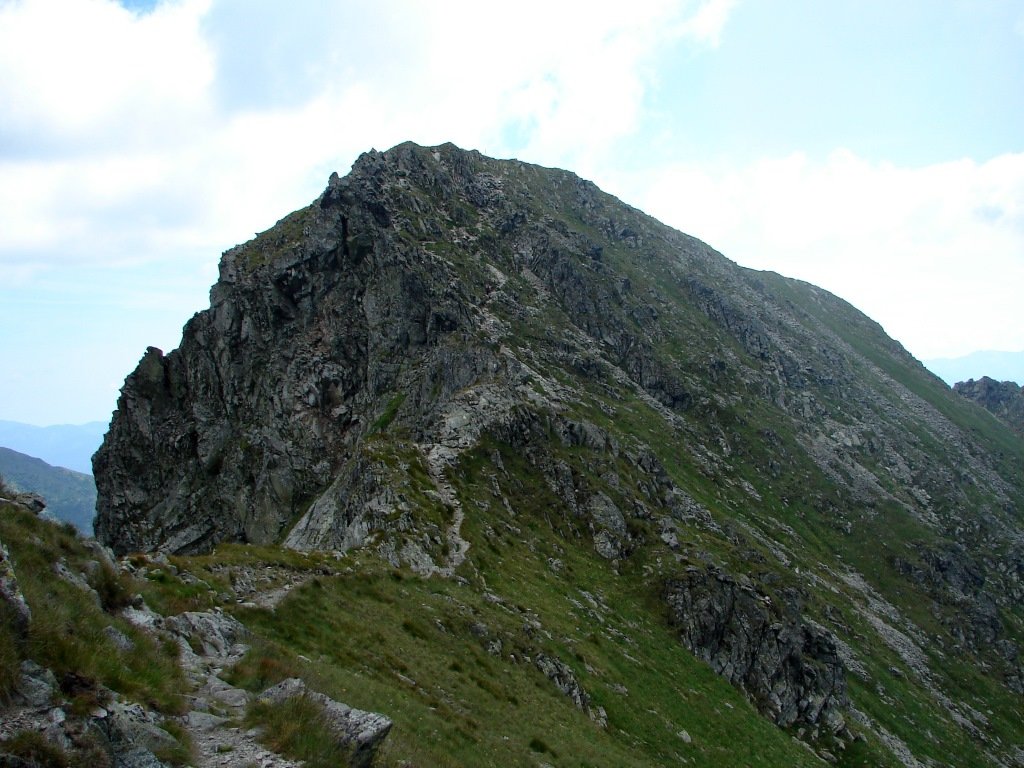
(70, 496)
(1000, 366)
(62, 445)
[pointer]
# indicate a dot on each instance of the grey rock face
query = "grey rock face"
(427, 297)
(957, 579)
(37, 685)
(561, 674)
(216, 634)
(1004, 399)
(790, 668)
(312, 333)
(31, 501)
(131, 735)
(11, 596)
(140, 727)
(357, 731)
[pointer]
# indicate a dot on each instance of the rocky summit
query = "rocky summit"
(495, 377)
(1004, 399)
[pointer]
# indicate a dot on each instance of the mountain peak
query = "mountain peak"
(1004, 399)
(447, 360)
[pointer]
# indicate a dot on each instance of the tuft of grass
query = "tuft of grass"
(389, 413)
(33, 749)
(168, 595)
(264, 664)
(182, 752)
(10, 655)
(297, 728)
(114, 591)
(67, 631)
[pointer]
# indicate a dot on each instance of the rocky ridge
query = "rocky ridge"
(443, 345)
(1003, 399)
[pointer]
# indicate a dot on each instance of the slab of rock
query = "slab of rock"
(216, 634)
(130, 734)
(356, 730)
(610, 532)
(33, 502)
(36, 687)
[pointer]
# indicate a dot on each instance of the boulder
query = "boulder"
(36, 687)
(211, 633)
(357, 731)
(561, 674)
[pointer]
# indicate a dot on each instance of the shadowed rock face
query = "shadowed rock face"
(790, 668)
(233, 435)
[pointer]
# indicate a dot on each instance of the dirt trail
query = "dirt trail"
(438, 459)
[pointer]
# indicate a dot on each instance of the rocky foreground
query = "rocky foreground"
(82, 721)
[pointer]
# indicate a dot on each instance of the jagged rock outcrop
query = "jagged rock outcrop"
(312, 335)
(1004, 399)
(979, 593)
(215, 634)
(561, 674)
(15, 609)
(789, 667)
(31, 501)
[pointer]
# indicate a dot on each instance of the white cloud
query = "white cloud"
(83, 74)
(171, 135)
(708, 22)
(135, 142)
(934, 253)
(135, 147)
(130, 137)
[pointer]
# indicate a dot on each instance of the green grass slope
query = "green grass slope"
(73, 633)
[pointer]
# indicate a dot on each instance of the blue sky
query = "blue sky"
(873, 148)
(913, 82)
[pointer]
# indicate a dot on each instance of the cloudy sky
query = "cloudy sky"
(875, 148)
